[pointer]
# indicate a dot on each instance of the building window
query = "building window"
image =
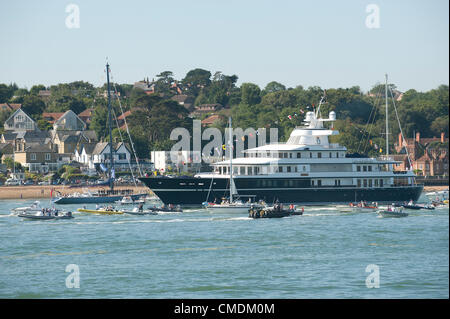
(310, 154)
(288, 169)
(376, 183)
(299, 155)
(47, 156)
(329, 154)
(358, 168)
(370, 183)
(312, 182)
(365, 183)
(364, 168)
(337, 154)
(33, 156)
(369, 168)
(290, 155)
(359, 183)
(319, 182)
(122, 156)
(319, 155)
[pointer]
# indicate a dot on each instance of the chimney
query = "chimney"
(442, 137)
(418, 137)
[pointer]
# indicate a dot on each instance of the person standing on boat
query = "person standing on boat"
(141, 207)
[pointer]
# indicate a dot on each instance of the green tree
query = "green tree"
(250, 94)
(33, 106)
(99, 120)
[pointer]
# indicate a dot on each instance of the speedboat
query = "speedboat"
(411, 205)
(169, 208)
(361, 207)
(126, 200)
(109, 210)
(276, 211)
(33, 208)
(136, 211)
(392, 212)
(46, 214)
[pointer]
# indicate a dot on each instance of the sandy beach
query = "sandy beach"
(41, 191)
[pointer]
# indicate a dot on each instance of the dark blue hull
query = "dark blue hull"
(194, 191)
(93, 199)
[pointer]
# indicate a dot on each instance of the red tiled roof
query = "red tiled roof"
(211, 119)
(10, 106)
(124, 115)
(87, 112)
(52, 117)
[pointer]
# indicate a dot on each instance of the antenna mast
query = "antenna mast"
(111, 159)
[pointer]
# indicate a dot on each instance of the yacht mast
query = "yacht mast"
(387, 116)
(230, 143)
(111, 159)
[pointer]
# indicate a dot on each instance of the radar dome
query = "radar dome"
(332, 116)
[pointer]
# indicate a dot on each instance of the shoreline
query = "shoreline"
(43, 191)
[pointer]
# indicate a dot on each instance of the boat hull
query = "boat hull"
(93, 199)
(194, 191)
(102, 212)
(386, 214)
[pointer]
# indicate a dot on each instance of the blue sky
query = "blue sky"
(324, 43)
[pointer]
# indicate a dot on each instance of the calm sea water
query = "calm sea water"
(196, 254)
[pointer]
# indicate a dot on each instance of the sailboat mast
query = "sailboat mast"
(387, 116)
(230, 143)
(111, 159)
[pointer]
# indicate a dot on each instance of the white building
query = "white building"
(179, 161)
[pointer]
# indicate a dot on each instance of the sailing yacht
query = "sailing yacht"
(234, 203)
(306, 170)
(102, 196)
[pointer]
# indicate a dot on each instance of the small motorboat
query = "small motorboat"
(392, 212)
(137, 211)
(277, 211)
(411, 205)
(169, 208)
(109, 210)
(35, 207)
(360, 207)
(46, 214)
(128, 200)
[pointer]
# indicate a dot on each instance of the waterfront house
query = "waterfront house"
(39, 158)
(429, 156)
(178, 161)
